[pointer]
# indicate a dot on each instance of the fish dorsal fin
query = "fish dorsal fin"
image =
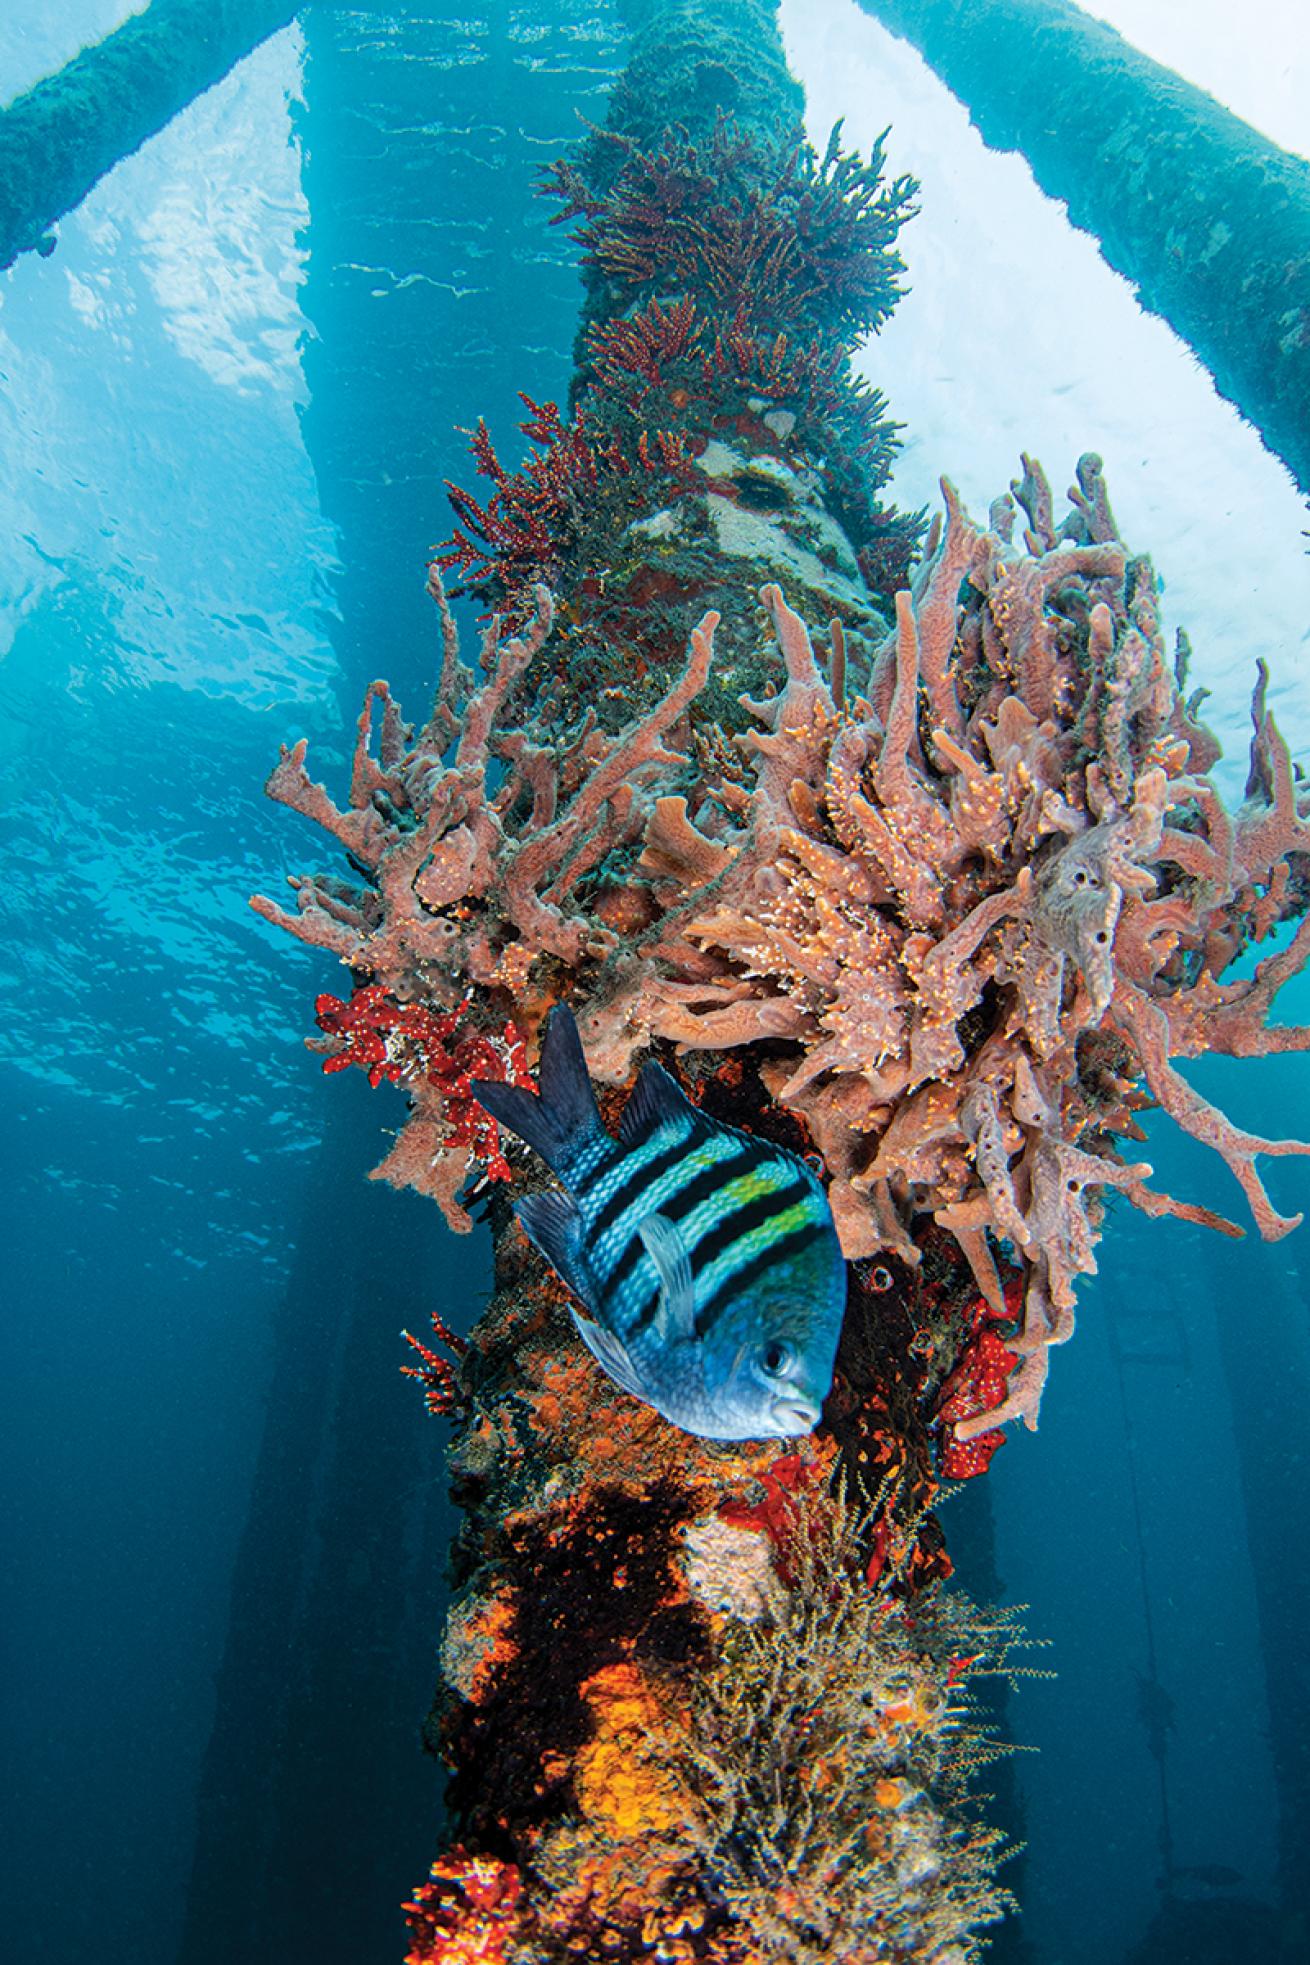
(667, 1250)
(552, 1223)
(610, 1354)
(656, 1099)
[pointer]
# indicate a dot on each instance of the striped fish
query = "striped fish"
(706, 1261)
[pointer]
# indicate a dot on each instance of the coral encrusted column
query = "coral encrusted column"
(1207, 218)
(686, 1711)
(63, 135)
(904, 857)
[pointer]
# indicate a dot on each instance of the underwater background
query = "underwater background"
(227, 405)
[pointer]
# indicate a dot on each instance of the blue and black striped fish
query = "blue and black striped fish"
(707, 1261)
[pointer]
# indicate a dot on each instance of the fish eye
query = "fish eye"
(775, 1358)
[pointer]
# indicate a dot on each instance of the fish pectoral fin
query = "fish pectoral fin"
(553, 1225)
(667, 1250)
(610, 1354)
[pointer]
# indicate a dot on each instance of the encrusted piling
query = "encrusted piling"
(906, 859)
(1208, 219)
(63, 135)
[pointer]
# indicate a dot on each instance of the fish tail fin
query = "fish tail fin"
(561, 1115)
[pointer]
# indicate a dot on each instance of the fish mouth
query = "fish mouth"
(795, 1416)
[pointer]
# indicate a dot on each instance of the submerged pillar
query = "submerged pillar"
(312, 1791)
(60, 139)
(855, 832)
(1208, 219)
(1266, 1409)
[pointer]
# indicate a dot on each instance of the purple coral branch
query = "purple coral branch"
(1148, 1026)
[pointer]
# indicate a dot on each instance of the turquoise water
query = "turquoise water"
(227, 403)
